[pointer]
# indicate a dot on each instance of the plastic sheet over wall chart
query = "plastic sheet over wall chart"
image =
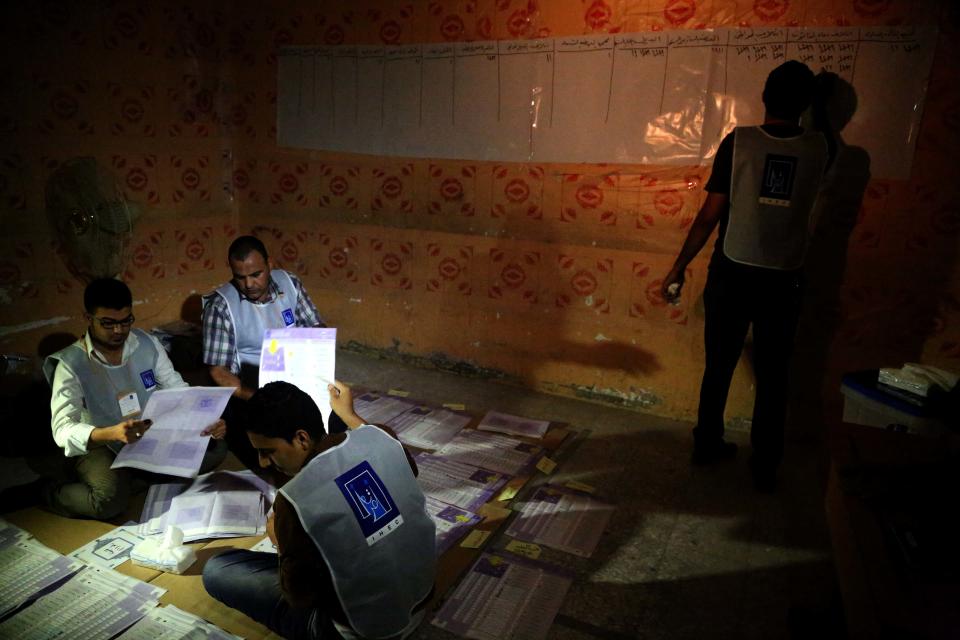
(650, 98)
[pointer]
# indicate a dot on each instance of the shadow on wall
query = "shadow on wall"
(837, 211)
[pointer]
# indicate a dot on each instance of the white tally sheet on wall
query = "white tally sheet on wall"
(662, 97)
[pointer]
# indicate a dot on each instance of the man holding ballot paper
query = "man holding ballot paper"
(101, 385)
(257, 299)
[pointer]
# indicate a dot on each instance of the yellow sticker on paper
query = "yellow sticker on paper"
(546, 465)
(398, 393)
(525, 549)
(274, 345)
(508, 493)
(475, 539)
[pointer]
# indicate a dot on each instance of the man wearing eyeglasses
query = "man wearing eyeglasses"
(101, 384)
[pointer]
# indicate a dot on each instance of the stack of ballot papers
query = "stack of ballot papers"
(457, 483)
(503, 597)
(171, 623)
(491, 451)
(561, 518)
(28, 567)
(427, 427)
(95, 603)
(513, 425)
(173, 445)
(222, 504)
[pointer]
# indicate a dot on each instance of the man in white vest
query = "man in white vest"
(761, 193)
(257, 297)
(100, 385)
(355, 546)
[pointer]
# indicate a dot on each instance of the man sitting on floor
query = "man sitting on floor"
(101, 384)
(355, 544)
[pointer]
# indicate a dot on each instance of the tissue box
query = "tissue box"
(164, 553)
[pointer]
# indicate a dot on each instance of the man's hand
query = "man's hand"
(672, 285)
(341, 401)
(216, 431)
(270, 532)
(126, 432)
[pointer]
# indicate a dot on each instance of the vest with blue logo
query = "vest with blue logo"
(101, 383)
(361, 505)
(773, 188)
(250, 319)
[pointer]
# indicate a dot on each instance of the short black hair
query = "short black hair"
(242, 246)
(789, 90)
(107, 293)
(279, 409)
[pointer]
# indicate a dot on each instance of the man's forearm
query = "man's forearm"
(224, 378)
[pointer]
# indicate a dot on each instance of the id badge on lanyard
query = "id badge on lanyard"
(129, 403)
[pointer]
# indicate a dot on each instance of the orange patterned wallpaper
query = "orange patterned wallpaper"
(544, 274)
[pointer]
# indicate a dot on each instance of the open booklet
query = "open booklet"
(173, 444)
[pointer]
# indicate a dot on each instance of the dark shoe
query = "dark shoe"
(707, 454)
(764, 477)
(22, 496)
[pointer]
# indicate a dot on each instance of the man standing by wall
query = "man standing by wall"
(761, 192)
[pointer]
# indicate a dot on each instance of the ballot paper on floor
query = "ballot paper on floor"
(513, 425)
(173, 445)
(457, 483)
(377, 408)
(111, 549)
(452, 523)
(503, 597)
(171, 623)
(561, 518)
(221, 504)
(305, 357)
(27, 568)
(427, 427)
(96, 603)
(491, 451)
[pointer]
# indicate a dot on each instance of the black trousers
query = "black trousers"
(735, 297)
(235, 415)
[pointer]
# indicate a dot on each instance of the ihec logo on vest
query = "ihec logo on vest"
(148, 379)
(288, 317)
(778, 174)
(374, 509)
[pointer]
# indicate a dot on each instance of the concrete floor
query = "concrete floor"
(690, 552)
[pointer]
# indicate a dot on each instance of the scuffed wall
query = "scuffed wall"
(540, 274)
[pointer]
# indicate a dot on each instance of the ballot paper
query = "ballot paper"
(491, 451)
(513, 425)
(561, 518)
(171, 623)
(427, 427)
(305, 357)
(111, 549)
(452, 523)
(503, 597)
(27, 568)
(221, 504)
(377, 408)
(94, 604)
(462, 485)
(173, 444)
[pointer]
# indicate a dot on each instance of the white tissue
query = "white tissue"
(166, 553)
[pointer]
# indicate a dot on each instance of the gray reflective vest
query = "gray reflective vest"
(250, 319)
(361, 504)
(773, 188)
(101, 383)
